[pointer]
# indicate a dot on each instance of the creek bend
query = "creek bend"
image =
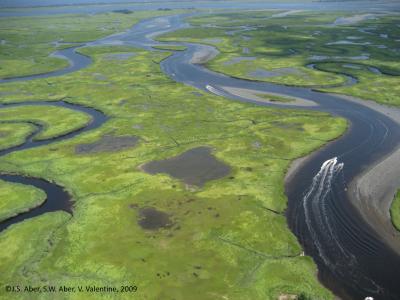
(56, 197)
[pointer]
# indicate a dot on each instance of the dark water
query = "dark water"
(352, 259)
(196, 166)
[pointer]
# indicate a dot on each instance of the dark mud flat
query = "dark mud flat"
(108, 143)
(196, 166)
(153, 219)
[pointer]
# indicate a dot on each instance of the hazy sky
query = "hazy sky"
(356, 6)
(19, 3)
(30, 3)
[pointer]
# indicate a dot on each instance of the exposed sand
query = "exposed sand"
(286, 13)
(345, 42)
(372, 192)
(254, 95)
(204, 54)
(353, 19)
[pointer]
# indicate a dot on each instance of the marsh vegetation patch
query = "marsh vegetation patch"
(194, 167)
(120, 56)
(262, 73)
(239, 59)
(153, 219)
(4, 133)
(108, 143)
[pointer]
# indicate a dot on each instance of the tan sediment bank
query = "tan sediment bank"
(204, 54)
(255, 95)
(372, 192)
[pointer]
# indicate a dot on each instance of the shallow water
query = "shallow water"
(196, 167)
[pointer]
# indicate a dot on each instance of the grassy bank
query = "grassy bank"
(395, 211)
(57, 120)
(13, 134)
(17, 198)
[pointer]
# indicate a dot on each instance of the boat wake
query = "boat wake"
(330, 230)
(315, 208)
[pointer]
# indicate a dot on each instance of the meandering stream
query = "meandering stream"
(56, 197)
(353, 258)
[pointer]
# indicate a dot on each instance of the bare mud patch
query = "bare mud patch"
(263, 97)
(153, 219)
(203, 54)
(196, 167)
(108, 143)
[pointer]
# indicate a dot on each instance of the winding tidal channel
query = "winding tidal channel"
(354, 246)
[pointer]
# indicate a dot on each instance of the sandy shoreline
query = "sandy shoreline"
(203, 54)
(255, 95)
(372, 192)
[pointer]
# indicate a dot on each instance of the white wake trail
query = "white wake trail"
(314, 203)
